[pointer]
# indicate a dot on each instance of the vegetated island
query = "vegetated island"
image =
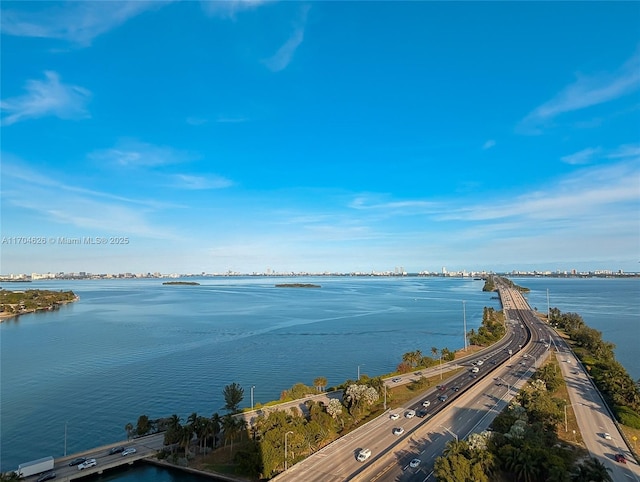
(297, 285)
(14, 303)
(190, 283)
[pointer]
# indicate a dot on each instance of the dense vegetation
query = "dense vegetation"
(18, 302)
(523, 446)
(490, 284)
(491, 330)
(413, 360)
(611, 378)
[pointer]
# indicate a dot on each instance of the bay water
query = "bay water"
(135, 346)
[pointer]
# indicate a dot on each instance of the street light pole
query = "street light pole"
(359, 372)
(285, 449)
(65, 438)
(252, 388)
(566, 428)
(464, 321)
(385, 396)
(456, 437)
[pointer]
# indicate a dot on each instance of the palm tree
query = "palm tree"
(216, 426)
(192, 422)
(186, 435)
(231, 429)
(417, 356)
(592, 470)
(173, 433)
(454, 447)
(320, 383)
(129, 428)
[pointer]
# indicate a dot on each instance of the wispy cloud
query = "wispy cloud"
(585, 156)
(48, 97)
(626, 151)
(584, 194)
(283, 57)
(585, 92)
(489, 144)
(185, 181)
(100, 211)
(133, 153)
(76, 22)
(409, 206)
(196, 121)
(229, 8)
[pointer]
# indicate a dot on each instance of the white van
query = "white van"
(475, 370)
(363, 455)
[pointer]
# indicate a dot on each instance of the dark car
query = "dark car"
(77, 461)
(620, 458)
(421, 413)
(455, 389)
(116, 450)
(47, 476)
(443, 388)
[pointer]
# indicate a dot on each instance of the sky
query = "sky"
(245, 136)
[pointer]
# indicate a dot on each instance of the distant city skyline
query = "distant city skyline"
(188, 137)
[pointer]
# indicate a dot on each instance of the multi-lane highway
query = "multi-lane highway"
(338, 461)
(145, 447)
(599, 432)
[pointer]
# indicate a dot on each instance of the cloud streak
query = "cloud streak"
(585, 156)
(283, 57)
(76, 22)
(586, 91)
(48, 97)
(229, 8)
(52, 200)
(133, 153)
(185, 181)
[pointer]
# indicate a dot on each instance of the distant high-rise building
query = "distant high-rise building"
(444, 270)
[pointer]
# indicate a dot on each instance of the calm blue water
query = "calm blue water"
(611, 306)
(132, 347)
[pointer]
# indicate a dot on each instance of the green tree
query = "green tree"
(215, 428)
(320, 383)
(592, 470)
(129, 429)
(173, 435)
(233, 395)
(143, 426)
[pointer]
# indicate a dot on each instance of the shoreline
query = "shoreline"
(7, 316)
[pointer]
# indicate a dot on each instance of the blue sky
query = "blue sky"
(319, 136)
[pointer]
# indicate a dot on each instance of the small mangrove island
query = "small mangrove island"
(297, 285)
(14, 303)
(189, 283)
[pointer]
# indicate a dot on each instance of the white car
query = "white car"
(87, 463)
(426, 403)
(363, 455)
(398, 431)
(130, 450)
(606, 436)
(414, 463)
(394, 416)
(410, 414)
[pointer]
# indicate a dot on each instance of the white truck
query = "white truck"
(35, 467)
